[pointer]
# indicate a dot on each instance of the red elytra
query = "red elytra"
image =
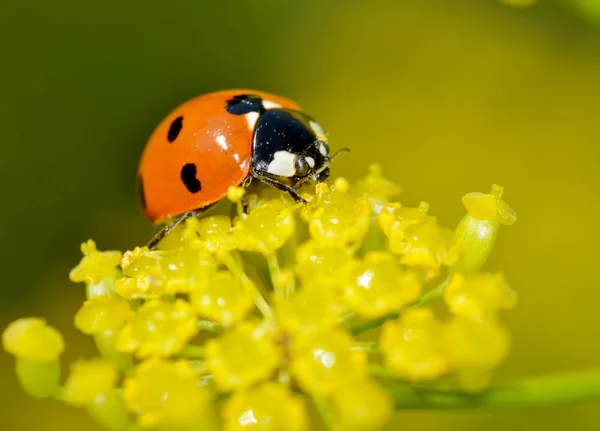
(198, 151)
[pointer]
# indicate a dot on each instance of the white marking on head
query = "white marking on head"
(322, 149)
(283, 164)
(316, 127)
(270, 105)
(252, 118)
(310, 161)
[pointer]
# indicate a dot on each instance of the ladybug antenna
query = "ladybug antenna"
(338, 152)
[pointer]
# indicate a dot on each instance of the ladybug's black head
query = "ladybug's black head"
(290, 146)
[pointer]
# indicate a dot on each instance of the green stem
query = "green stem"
(532, 392)
(209, 326)
(367, 346)
(325, 411)
(425, 299)
(238, 272)
(192, 351)
(275, 271)
(433, 294)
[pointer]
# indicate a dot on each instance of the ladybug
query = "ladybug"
(223, 139)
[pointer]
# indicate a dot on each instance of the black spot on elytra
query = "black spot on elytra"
(140, 192)
(245, 103)
(174, 129)
(188, 176)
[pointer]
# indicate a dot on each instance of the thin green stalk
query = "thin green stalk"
(325, 411)
(275, 271)
(367, 346)
(425, 299)
(433, 294)
(238, 272)
(531, 392)
(192, 351)
(372, 324)
(207, 325)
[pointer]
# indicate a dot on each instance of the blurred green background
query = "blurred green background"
(449, 97)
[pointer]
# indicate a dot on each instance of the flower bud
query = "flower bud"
(477, 231)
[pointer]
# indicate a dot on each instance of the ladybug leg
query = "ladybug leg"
(244, 202)
(280, 186)
(172, 225)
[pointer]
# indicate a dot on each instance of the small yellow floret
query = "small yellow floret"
(376, 188)
(428, 245)
(476, 295)
(412, 345)
(181, 267)
(143, 278)
(30, 338)
(102, 313)
(269, 407)
(490, 206)
(266, 228)
(337, 218)
(221, 298)
(95, 264)
(242, 356)
(394, 219)
(235, 194)
(476, 344)
(377, 285)
(134, 256)
(326, 361)
(362, 406)
(88, 379)
(310, 310)
(341, 184)
(209, 234)
(320, 263)
(167, 394)
(158, 328)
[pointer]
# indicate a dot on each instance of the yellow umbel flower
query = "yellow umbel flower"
(89, 379)
(476, 344)
(412, 345)
(338, 218)
(362, 406)
(429, 246)
(394, 219)
(319, 263)
(243, 356)
(102, 313)
(266, 228)
(166, 394)
(324, 362)
(32, 339)
(489, 207)
(476, 295)
(158, 328)
(254, 312)
(378, 285)
(37, 348)
(269, 407)
(310, 310)
(94, 265)
(209, 234)
(221, 298)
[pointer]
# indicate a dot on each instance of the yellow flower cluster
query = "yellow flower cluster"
(239, 321)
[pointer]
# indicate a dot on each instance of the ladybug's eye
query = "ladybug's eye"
(302, 167)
